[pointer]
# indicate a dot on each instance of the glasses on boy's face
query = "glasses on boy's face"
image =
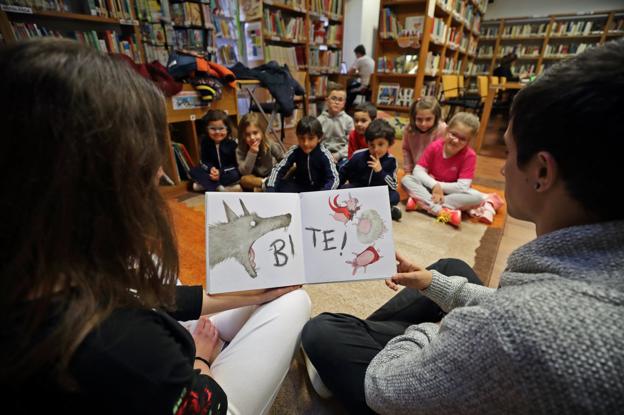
(458, 137)
(336, 99)
(217, 129)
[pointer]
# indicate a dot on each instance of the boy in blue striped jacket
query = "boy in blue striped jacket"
(315, 168)
(374, 166)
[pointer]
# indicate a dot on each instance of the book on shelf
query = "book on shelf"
(387, 93)
(414, 26)
(264, 240)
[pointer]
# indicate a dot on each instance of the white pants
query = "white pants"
(263, 340)
(462, 201)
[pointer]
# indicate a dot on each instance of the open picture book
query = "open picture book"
(265, 240)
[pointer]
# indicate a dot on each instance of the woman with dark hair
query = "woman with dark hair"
(549, 339)
(88, 260)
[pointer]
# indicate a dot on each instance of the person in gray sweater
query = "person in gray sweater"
(550, 338)
(337, 124)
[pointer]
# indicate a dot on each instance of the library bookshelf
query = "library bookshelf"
(306, 35)
(541, 41)
(417, 42)
(144, 31)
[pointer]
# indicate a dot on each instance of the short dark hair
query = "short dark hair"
(368, 108)
(310, 126)
(380, 129)
(573, 111)
(360, 49)
(216, 115)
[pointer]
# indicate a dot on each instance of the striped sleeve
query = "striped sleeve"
(333, 178)
(282, 167)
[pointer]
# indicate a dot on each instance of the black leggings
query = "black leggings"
(341, 346)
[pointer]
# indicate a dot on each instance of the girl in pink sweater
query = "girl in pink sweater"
(424, 127)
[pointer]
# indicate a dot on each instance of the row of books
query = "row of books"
(450, 65)
(191, 14)
(325, 59)
(318, 86)
(521, 50)
(333, 7)
(536, 29)
(566, 49)
(184, 163)
(404, 64)
(392, 28)
(104, 41)
(116, 9)
(285, 26)
(579, 27)
(293, 56)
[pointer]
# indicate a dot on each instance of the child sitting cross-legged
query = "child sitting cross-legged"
(256, 153)
(218, 167)
(375, 166)
(314, 165)
(440, 182)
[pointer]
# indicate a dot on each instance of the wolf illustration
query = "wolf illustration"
(235, 238)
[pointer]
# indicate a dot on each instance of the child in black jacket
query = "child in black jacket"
(315, 168)
(218, 167)
(374, 166)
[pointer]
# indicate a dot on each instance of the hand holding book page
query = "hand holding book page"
(264, 240)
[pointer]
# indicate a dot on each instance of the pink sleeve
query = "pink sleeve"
(468, 167)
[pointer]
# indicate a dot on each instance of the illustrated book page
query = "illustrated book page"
(264, 240)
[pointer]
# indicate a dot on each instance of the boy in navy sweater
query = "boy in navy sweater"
(315, 168)
(374, 166)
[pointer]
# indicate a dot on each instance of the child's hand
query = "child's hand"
(374, 164)
(254, 147)
(214, 174)
(437, 195)
(206, 338)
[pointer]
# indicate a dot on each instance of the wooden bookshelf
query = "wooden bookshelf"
(134, 22)
(306, 35)
(542, 41)
(418, 41)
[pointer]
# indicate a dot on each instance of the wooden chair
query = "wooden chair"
(453, 94)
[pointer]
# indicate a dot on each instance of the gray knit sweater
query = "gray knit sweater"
(549, 341)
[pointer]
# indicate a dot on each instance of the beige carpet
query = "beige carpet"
(418, 236)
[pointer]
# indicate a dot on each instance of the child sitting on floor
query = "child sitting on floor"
(375, 166)
(424, 127)
(218, 167)
(315, 168)
(363, 114)
(440, 182)
(256, 153)
(336, 123)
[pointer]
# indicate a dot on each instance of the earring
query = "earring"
(536, 186)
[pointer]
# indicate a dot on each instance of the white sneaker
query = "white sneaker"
(220, 188)
(198, 187)
(315, 379)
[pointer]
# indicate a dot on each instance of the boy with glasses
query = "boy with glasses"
(440, 182)
(337, 124)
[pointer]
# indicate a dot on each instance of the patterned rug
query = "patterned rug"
(418, 236)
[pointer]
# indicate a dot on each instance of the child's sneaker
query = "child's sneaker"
(413, 204)
(495, 200)
(450, 216)
(396, 213)
(198, 187)
(484, 213)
